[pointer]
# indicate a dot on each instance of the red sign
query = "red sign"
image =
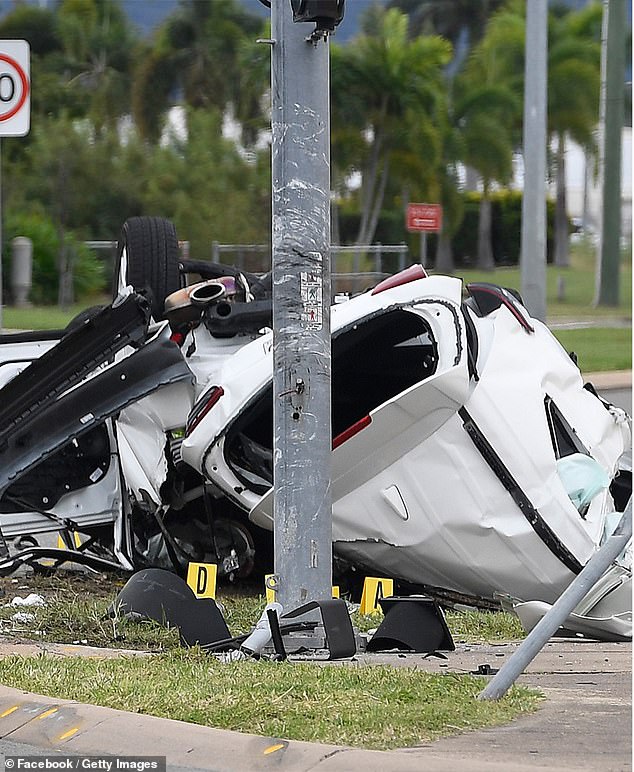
(424, 217)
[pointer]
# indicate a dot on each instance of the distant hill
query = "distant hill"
(146, 15)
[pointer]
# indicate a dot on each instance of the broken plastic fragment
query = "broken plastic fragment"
(31, 600)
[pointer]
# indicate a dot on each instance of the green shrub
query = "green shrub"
(88, 272)
(506, 229)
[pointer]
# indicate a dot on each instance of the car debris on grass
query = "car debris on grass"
(469, 458)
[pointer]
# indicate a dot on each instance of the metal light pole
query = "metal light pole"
(613, 71)
(533, 248)
(302, 441)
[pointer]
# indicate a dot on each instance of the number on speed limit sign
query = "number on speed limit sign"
(15, 88)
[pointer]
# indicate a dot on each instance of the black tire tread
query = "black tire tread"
(152, 259)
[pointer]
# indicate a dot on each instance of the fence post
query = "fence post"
(21, 269)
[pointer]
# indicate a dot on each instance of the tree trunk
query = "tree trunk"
(562, 236)
(368, 187)
(373, 185)
(444, 254)
(378, 203)
(65, 294)
(485, 261)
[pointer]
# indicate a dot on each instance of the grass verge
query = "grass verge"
(599, 348)
(369, 706)
(76, 605)
(377, 707)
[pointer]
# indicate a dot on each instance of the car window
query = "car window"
(372, 361)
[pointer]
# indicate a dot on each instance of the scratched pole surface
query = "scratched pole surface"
(301, 311)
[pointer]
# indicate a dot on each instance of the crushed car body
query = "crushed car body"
(468, 456)
(451, 420)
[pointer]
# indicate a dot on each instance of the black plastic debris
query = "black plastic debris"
(164, 597)
(484, 669)
(414, 623)
(338, 629)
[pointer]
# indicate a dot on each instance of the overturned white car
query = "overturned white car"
(468, 456)
(467, 453)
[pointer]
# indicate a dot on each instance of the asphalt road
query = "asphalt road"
(619, 397)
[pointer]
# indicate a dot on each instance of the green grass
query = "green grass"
(578, 280)
(45, 317)
(369, 706)
(599, 348)
(76, 607)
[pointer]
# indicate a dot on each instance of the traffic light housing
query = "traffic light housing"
(325, 13)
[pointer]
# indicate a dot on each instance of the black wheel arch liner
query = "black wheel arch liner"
(48, 426)
(78, 353)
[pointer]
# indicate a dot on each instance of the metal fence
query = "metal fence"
(353, 268)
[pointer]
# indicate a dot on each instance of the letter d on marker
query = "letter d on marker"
(201, 578)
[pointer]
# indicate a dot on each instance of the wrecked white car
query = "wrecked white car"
(468, 457)
(467, 453)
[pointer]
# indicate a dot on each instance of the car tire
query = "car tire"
(152, 263)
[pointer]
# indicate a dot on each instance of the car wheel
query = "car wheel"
(148, 260)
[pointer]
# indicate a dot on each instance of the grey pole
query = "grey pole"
(301, 311)
(533, 246)
(613, 75)
(1, 237)
(572, 595)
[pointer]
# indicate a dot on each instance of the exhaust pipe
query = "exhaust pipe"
(206, 292)
(185, 305)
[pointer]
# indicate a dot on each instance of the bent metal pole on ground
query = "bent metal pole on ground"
(557, 615)
(301, 310)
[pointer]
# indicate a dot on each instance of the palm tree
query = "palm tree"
(97, 43)
(460, 21)
(573, 85)
(387, 92)
(573, 101)
(200, 55)
(488, 113)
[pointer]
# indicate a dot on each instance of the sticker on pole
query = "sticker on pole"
(424, 217)
(311, 290)
(15, 88)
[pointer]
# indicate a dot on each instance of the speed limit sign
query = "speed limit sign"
(15, 88)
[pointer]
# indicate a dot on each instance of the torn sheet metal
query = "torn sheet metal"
(47, 429)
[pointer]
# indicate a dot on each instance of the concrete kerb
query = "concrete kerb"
(617, 379)
(585, 722)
